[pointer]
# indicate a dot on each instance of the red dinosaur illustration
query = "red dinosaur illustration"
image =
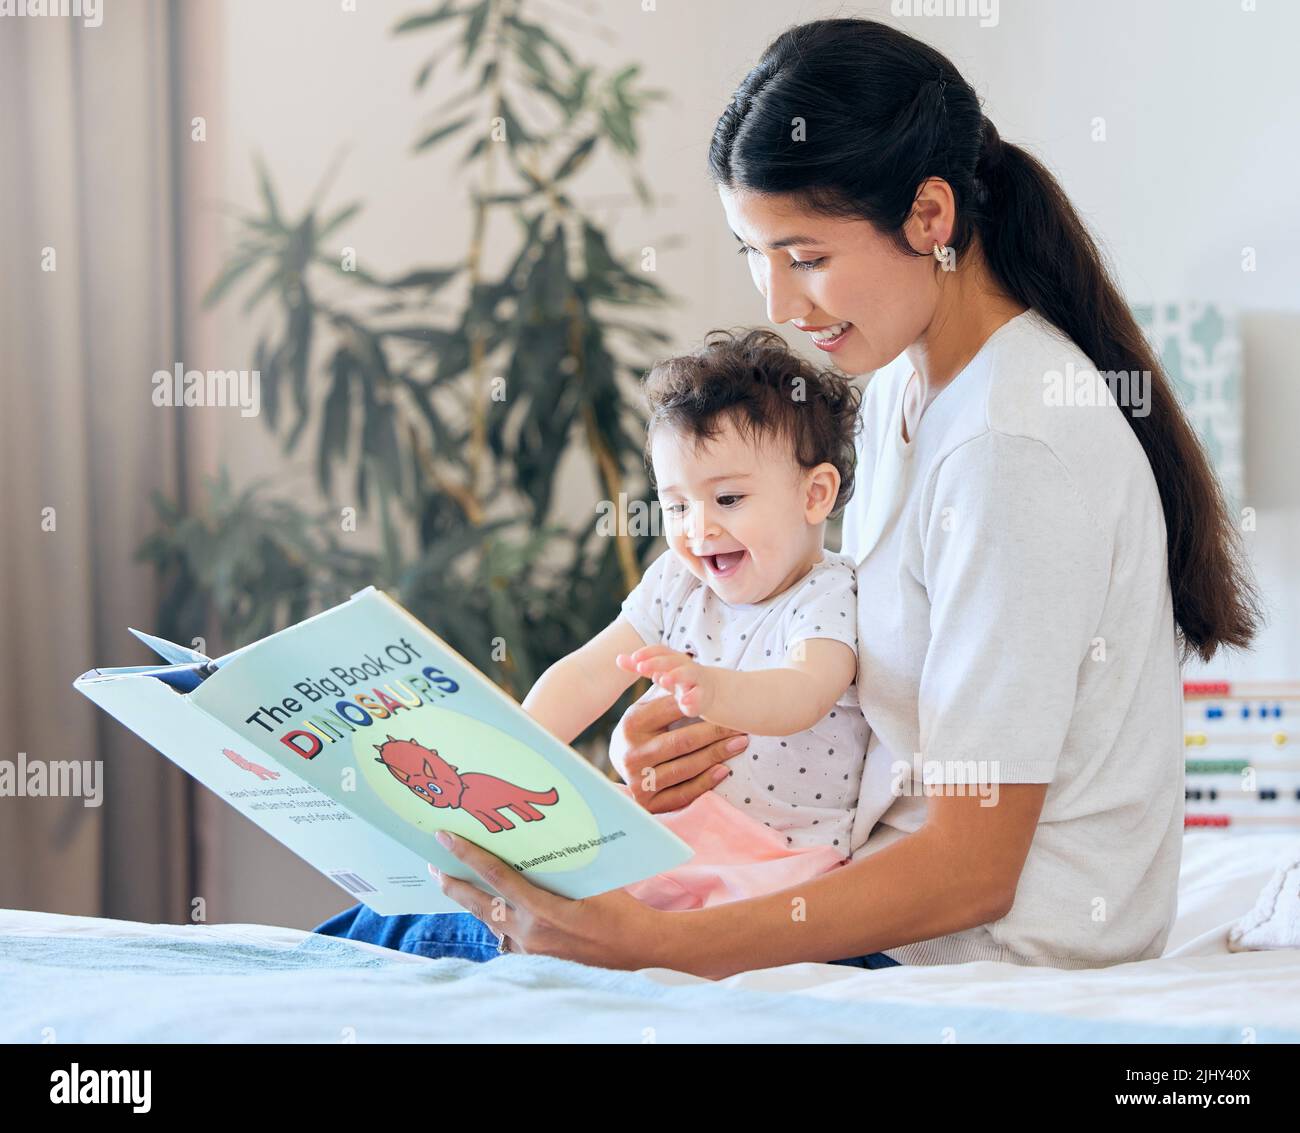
(440, 784)
(256, 768)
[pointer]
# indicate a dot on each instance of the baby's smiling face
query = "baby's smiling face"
(748, 522)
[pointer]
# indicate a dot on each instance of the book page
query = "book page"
(377, 713)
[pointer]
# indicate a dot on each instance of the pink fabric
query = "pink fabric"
(735, 857)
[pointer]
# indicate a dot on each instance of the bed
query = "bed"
(84, 979)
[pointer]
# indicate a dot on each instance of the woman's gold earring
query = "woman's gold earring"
(947, 257)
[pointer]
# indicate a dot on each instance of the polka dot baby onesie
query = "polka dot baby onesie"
(803, 787)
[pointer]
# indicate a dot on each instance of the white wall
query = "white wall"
(1200, 102)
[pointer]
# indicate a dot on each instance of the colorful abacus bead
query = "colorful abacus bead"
(1205, 688)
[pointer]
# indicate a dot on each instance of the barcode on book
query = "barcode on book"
(351, 882)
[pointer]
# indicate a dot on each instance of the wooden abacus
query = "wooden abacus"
(1238, 742)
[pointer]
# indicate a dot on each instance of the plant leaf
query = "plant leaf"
(445, 131)
(334, 425)
(422, 75)
(339, 219)
(268, 193)
(427, 19)
(432, 278)
(230, 274)
(575, 159)
(474, 29)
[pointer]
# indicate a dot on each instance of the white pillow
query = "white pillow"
(1274, 922)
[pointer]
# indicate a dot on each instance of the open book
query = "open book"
(357, 734)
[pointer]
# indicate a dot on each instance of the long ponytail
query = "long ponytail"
(886, 112)
(1215, 603)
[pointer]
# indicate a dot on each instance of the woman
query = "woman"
(1028, 565)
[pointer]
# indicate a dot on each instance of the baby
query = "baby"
(745, 619)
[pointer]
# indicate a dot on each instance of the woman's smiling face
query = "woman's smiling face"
(818, 271)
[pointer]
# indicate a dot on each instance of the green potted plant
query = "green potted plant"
(445, 421)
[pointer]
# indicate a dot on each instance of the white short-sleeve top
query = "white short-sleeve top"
(1014, 594)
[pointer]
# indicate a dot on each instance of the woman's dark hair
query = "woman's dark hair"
(880, 113)
(757, 382)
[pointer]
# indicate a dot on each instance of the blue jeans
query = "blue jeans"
(461, 936)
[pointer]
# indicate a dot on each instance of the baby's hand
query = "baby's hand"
(694, 686)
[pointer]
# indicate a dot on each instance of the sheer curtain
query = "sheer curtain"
(90, 302)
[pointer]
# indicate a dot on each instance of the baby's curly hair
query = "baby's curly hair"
(757, 381)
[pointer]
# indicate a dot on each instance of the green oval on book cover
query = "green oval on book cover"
(437, 754)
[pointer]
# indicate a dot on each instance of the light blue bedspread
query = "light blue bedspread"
(325, 990)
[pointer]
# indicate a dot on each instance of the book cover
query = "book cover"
(357, 734)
